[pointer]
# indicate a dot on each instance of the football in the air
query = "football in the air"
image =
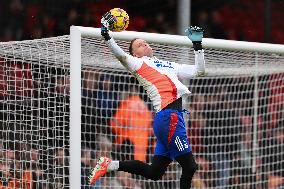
(121, 20)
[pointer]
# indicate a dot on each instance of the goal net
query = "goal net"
(235, 126)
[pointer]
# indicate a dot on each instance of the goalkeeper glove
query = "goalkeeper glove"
(106, 21)
(195, 34)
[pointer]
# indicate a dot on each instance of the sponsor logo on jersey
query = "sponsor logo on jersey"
(164, 64)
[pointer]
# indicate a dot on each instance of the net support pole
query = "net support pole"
(183, 18)
(75, 108)
(255, 115)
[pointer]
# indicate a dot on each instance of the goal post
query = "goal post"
(75, 108)
(248, 59)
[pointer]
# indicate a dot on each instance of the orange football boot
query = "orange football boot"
(100, 170)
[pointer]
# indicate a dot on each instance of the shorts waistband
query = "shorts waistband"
(175, 105)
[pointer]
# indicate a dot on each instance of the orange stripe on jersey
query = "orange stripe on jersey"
(166, 88)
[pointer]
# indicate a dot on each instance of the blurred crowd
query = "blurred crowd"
(222, 19)
(117, 115)
(116, 122)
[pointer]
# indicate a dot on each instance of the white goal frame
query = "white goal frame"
(77, 32)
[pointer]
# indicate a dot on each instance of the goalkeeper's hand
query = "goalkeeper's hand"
(195, 34)
(106, 21)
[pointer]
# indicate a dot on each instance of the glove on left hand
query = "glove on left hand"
(195, 34)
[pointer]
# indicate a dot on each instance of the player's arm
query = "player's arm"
(195, 34)
(128, 61)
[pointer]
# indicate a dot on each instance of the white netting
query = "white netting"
(116, 115)
(34, 114)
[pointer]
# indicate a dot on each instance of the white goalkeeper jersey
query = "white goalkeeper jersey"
(159, 78)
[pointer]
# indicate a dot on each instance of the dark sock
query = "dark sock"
(153, 171)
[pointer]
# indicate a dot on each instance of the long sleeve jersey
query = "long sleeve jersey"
(159, 78)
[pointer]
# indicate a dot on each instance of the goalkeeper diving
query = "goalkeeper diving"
(160, 80)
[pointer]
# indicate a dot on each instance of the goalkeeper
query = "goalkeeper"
(160, 80)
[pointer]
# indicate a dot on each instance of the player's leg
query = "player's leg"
(189, 167)
(160, 161)
(181, 151)
(153, 171)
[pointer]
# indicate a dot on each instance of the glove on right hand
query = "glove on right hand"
(106, 21)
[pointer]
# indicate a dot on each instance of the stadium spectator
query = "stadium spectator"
(44, 20)
(131, 124)
(197, 123)
(19, 79)
(8, 180)
(89, 120)
(203, 21)
(171, 176)
(216, 25)
(33, 176)
(204, 177)
(276, 99)
(28, 179)
(13, 172)
(126, 181)
(87, 160)
(219, 131)
(61, 168)
(3, 81)
(59, 110)
(197, 181)
(104, 146)
(106, 101)
(273, 152)
(63, 85)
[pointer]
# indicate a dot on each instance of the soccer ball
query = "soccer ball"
(121, 20)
